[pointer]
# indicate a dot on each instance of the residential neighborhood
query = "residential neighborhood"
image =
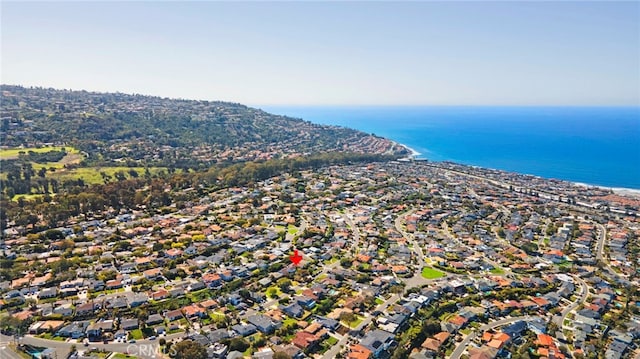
(401, 259)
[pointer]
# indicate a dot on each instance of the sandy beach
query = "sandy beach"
(631, 192)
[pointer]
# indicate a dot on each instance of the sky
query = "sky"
(331, 53)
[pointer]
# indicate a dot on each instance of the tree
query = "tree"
(347, 317)
(272, 292)
(238, 344)
(189, 349)
(284, 284)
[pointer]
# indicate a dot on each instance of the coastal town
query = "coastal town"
(400, 259)
(320, 179)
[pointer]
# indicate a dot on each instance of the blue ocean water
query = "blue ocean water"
(594, 145)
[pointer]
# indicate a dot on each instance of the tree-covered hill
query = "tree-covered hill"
(136, 130)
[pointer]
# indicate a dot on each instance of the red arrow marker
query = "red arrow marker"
(295, 257)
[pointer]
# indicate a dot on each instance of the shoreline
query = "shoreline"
(621, 191)
(413, 155)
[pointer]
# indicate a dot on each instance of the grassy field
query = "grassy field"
(91, 175)
(497, 271)
(28, 197)
(430, 273)
(12, 153)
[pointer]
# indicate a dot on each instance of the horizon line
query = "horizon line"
(260, 105)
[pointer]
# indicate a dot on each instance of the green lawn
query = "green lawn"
(11, 153)
(430, 273)
(91, 175)
(28, 197)
(566, 264)
(356, 322)
(331, 261)
(136, 334)
(379, 301)
(446, 315)
(51, 337)
(497, 271)
(327, 344)
(216, 316)
(289, 322)
(278, 292)
(292, 230)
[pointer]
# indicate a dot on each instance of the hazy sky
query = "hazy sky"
(259, 53)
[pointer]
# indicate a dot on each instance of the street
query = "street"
(463, 345)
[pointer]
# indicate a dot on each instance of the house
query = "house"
(357, 351)
(129, 324)
(196, 286)
(48, 293)
(173, 253)
(234, 299)
(96, 285)
(116, 303)
(114, 284)
(65, 310)
(177, 292)
(377, 341)
(291, 350)
(328, 323)
(137, 299)
(244, 329)
(227, 276)
(160, 294)
(173, 315)
(293, 310)
(191, 250)
(87, 308)
(537, 326)
(306, 302)
(128, 268)
(616, 350)
(154, 319)
(97, 329)
(483, 352)
(208, 304)
(45, 326)
(515, 330)
(193, 310)
(212, 280)
(304, 340)
(263, 323)
(215, 336)
(152, 274)
(74, 330)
